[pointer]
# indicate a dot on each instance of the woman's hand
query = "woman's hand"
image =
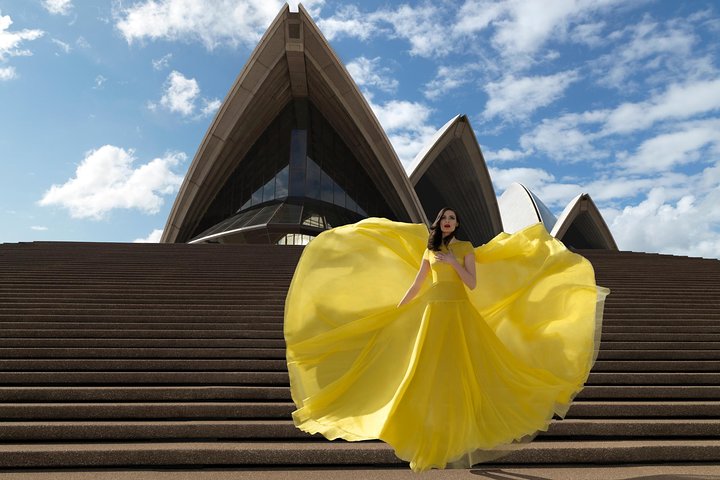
(446, 257)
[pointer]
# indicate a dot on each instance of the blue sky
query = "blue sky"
(103, 104)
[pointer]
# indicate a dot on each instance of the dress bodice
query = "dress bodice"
(444, 272)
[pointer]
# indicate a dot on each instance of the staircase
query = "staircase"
(132, 355)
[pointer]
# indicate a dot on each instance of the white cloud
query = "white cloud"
(523, 27)
(688, 226)
(623, 187)
(210, 107)
(650, 47)
(212, 23)
(401, 115)
(180, 93)
(449, 78)
(589, 34)
(39, 228)
(7, 73)
(533, 178)
(406, 124)
(369, 73)
(477, 15)
(572, 137)
(563, 138)
(99, 81)
(65, 47)
(82, 43)
(679, 101)
(420, 25)
(106, 179)
(684, 144)
(504, 155)
(348, 21)
(10, 41)
(516, 98)
(58, 7)
(153, 237)
(162, 62)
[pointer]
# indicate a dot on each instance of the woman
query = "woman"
(453, 372)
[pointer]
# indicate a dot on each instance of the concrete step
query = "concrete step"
(250, 409)
(118, 333)
(646, 392)
(602, 366)
(688, 313)
(278, 430)
(148, 393)
(151, 393)
(63, 351)
(655, 378)
(179, 343)
(146, 410)
(146, 295)
(659, 345)
(115, 377)
(617, 428)
(281, 378)
(712, 327)
(129, 309)
(660, 354)
(254, 365)
(336, 453)
(158, 324)
(690, 336)
(248, 316)
(646, 409)
(279, 343)
(275, 322)
(279, 365)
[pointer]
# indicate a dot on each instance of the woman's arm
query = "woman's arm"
(465, 272)
(417, 283)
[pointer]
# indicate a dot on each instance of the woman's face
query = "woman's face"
(448, 222)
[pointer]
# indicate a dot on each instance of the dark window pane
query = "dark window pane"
(298, 161)
(314, 220)
(263, 161)
(288, 213)
(281, 183)
(327, 188)
(269, 190)
(263, 215)
(338, 196)
(313, 179)
(257, 197)
(351, 205)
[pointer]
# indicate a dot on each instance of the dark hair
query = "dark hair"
(436, 238)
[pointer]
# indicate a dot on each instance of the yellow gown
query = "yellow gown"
(455, 374)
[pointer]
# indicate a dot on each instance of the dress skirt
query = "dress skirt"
(454, 376)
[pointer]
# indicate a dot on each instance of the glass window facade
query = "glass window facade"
(299, 159)
(295, 239)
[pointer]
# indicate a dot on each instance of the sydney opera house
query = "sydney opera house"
(296, 149)
(172, 355)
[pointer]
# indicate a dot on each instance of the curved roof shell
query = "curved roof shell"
(451, 171)
(292, 60)
(582, 226)
(519, 208)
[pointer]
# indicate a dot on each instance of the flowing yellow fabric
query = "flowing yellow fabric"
(453, 373)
